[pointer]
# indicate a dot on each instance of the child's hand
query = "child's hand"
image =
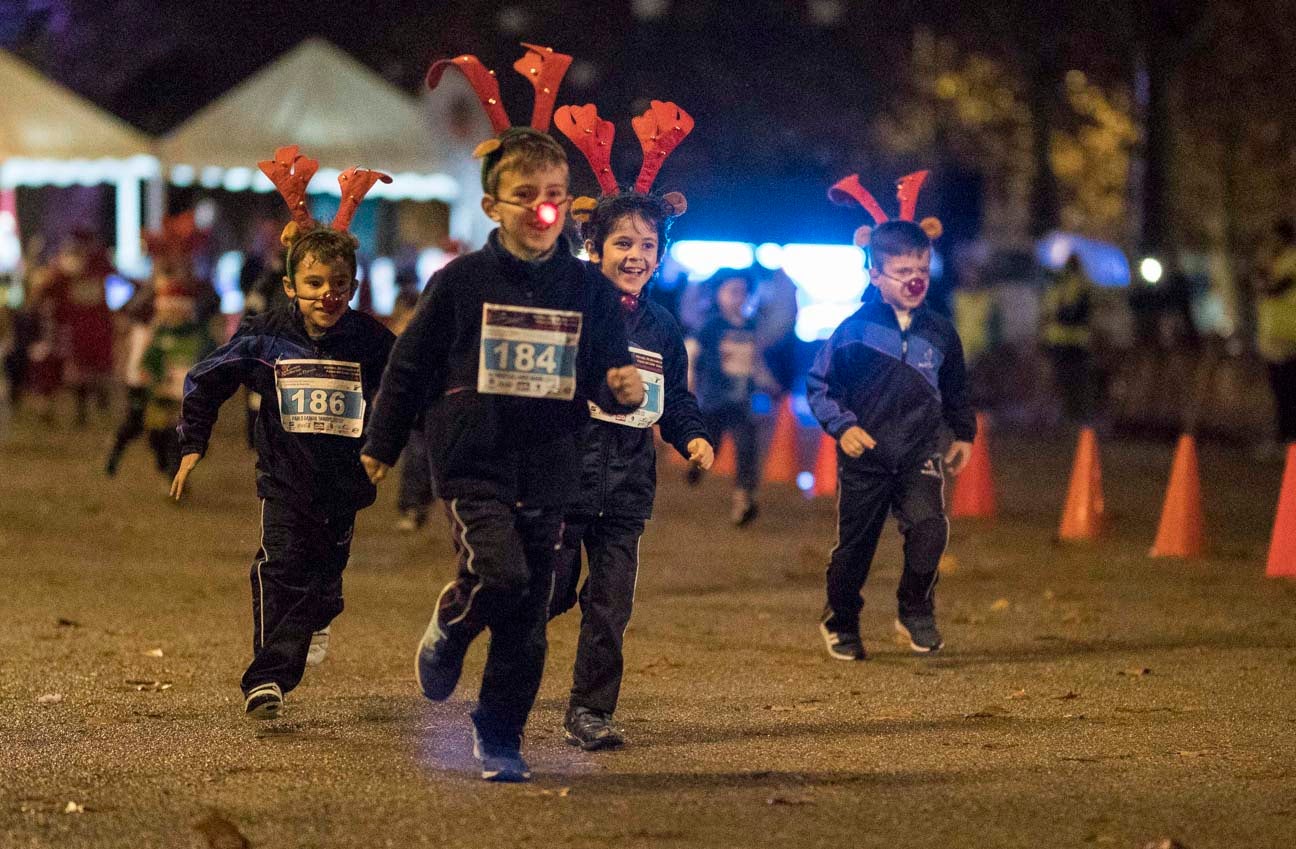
(375, 469)
(700, 453)
(957, 456)
(626, 385)
(855, 441)
(187, 463)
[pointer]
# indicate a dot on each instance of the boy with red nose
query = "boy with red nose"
(316, 365)
(882, 386)
(507, 346)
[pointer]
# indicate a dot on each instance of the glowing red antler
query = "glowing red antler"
(849, 188)
(545, 69)
(592, 137)
(291, 172)
(660, 130)
(482, 81)
(355, 183)
(907, 190)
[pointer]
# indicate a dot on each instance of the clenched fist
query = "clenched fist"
(855, 440)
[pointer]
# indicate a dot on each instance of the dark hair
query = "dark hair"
(520, 149)
(723, 275)
(612, 208)
(896, 238)
(323, 243)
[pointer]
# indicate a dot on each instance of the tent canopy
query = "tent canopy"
(332, 106)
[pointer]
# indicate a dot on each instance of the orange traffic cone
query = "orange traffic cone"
(1180, 531)
(1282, 547)
(726, 458)
(974, 496)
(1082, 514)
(781, 464)
(825, 470)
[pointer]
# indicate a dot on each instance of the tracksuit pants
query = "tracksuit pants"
(916, 498)
(606, 598)
(738, 420)
(296, 589)
(505, 578)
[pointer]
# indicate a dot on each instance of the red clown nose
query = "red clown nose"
(333, 302)
(547, 214)
(915, 287)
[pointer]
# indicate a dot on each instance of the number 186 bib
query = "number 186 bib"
(320, 396)
(528, 352)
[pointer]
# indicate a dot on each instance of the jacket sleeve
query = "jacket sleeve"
(826, 391)
(952, 382)
(604, 329)
(681, 422)
(416, 371)
(211, 382)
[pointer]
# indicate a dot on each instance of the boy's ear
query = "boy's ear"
(488, 207)
(289, 289)
(592, 250)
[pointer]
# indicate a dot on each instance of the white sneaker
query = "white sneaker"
(318, 647)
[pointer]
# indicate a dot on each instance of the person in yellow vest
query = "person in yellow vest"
(1066, 333)
(1276, 327)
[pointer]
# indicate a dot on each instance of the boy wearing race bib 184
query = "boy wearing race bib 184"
(626, 234)
(505, 349)
(321, 363)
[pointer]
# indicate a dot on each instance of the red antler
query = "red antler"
(545, 69)
(660, 130)
(592, 137)
(482, 81)
(290, 173)
(907, 190)
(848, 189)
(355, 183)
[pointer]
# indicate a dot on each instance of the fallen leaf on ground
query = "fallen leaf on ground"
(73, 808)
(789, 800)
(1067, 696)
(1135, 672)
(1201, 753)
(1018, 694)
(221, 833)
(153, 653)
(1000, 604)
(49, 699)
(561, 792)
(987, 712)
(63, 622)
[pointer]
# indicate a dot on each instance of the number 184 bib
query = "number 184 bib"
(320, 396)
(528, 352)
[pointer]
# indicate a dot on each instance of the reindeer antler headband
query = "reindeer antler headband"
(660, 131)
(291, 172)
(848, 188)
(541, 65)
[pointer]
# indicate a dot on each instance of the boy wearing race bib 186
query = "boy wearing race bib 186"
(322, 362)
(505, 349)
(626, 234)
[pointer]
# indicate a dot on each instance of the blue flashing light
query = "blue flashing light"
(701, 259)
(805, 481)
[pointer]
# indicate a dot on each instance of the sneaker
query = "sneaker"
(264, 702)
(921, 633)
(591, 730)
(439, 662)
(693, 476)
(318, 647)
(743, 510)
(843, 645)
(499, 763)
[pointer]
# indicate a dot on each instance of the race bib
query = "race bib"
(528, 352)
(649, 364)
(320, 396)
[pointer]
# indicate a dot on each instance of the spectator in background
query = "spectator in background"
(1276, 331)
(1067, 337)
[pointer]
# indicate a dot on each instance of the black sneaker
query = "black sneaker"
(693, 476)
(439, 662)
(921, 633)
(843, 645)
(264, 702)
(499, 763)
(591, 730)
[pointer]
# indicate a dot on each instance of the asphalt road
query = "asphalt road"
(1088, 696)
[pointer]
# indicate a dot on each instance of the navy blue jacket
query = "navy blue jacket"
(899, 385)
(518, 450)
(716, 388)
(318, 473)
(619, 466)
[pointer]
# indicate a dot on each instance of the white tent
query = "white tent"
(50, 136)
(332, 106)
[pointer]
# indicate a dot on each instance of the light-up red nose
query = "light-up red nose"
(915, 287)
(333, 302)
(547, 214)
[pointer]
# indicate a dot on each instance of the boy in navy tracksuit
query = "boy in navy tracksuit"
(625, 236)
(882, 386)
(317, 366)
(507, 345)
